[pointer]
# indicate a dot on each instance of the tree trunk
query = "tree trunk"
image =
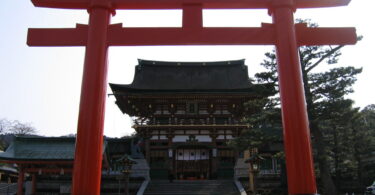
(329, 187)
(359, 167)
(357, 157)
(336, 158)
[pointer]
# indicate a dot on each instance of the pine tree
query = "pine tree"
(328, 110)
(363, 136)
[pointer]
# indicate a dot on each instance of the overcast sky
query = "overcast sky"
(41, 85)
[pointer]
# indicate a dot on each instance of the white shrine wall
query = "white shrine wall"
(183, 135)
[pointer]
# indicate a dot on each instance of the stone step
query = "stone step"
(161, 187)
(191, 193)
(182, 187)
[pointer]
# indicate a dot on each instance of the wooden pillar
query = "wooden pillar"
(89, 142)
(171, 157)
(33, 184)
(214, 159)
(21, 177)
(298, 153)
(251, 180)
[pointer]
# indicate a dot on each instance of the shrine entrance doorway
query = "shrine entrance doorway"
(192, 163)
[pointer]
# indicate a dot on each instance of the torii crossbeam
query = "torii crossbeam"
(99, 34)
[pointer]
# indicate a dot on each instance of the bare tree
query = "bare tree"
(4, 125)
(19, 128)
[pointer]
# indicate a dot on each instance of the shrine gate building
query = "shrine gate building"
(186, 112)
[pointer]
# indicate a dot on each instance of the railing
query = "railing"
(269, 172)
(244, 172)
(143, 187)
(187, 121)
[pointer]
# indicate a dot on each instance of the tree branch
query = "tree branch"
(324, 57)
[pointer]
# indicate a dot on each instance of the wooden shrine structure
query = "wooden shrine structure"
(98, 35)
(47, 164)
(187, 112)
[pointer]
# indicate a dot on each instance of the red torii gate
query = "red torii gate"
(99, 34)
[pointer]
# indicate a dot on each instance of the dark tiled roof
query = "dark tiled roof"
(28, 148)
(40, 148)
(157, 76)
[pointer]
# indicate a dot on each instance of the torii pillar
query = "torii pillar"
(99, 34)
(296, 131)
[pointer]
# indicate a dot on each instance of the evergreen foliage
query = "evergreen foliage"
(342, 135)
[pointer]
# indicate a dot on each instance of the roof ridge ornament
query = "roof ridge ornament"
(195, 63)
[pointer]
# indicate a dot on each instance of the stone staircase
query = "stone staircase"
(196, 187)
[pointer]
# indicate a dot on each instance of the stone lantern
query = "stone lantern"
(126, 163)
(254, 168)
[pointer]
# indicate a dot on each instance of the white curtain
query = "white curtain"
(192, 154)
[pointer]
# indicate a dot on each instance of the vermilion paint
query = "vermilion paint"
(98, 35)
(89, 144)
(20, 181)
(299, 162)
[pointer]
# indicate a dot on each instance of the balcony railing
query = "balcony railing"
(186, 121)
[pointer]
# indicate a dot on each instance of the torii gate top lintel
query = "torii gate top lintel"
(178, 4)
(192, 19)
